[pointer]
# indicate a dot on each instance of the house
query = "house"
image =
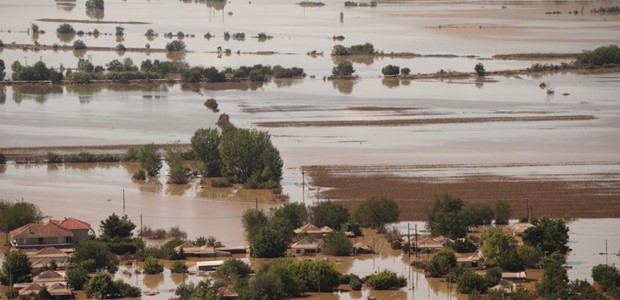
(444, 240)
(518, 229)
(227, 293)
(59, 291)
(211, 265)
(305, 247)
(514, 275)
(310, 230)
(30, 292)
(326, 230)
(191, 250)
(58, 256)
(39, 235)
(80, 229)
(467, 260)
(48, 277)
(505, 286)
(427, 244)
(360, 248)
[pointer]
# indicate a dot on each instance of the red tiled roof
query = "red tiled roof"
(32, 289)
(72, 224)
(50, 252)
(40, 230)
(47, 276)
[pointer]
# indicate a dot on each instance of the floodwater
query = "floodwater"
(132, 114)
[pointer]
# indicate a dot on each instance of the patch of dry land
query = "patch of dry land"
(551, 189)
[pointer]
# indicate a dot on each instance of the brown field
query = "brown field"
(414, 122)
(569, 196)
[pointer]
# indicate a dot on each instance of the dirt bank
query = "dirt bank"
(415, 122)
(569, 195)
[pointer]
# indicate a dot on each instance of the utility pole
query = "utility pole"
(303, 186)
(408, 241)
(141, 226)
(416, 240)
(256, 202)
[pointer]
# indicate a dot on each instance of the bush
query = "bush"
(121, 47)
(178, 267)
(338, 244)
(79, 45)
(600, 56)
(53, 158)
(441, 263)
(386, 280)
(390, 70)
(76, 276)
(470, 282)
(65, 29)
(95, 4)
(120, 31)
(344, 68)
(479, 68)
(375, 212)
(355, 283)
(405, 71)
(175, 46)
(152, 266)
(2, 158)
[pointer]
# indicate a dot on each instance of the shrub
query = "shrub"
(139, 175)
(338, 244)
(2, 158)
(375, 212)
(152, 266)
(150, 32)
(178, 267)
(390, 70)
(344, 68)
(176, 233)
(76, 276)
(53, 158)
(441, 263)
(386, 280)
(211, 104)
(120, 31)
(405, 71)
(79, 45)
(65, 29)
(121, 47)
(470, 282)
(355, 283)
(479, 68)
(600, 56)
(175, 46)
(95, 4)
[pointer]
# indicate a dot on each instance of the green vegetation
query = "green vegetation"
(549, 236)
(376, 212)
(441, 263)
(469, 282)
(231, 270)
(115, 226)
(17, 214)
(328, 213)
(76, 276)
(175, 46)
(344, 68)
(311, 4)
(95, 4)
(479, 68)
(149, 159)
(174, 159)
(386, 280)
(37, 72)
(205, 144)
(119, 31)
(608, 277)
(601, 56)
(65, 29)
(390, 70)
(101, 285)
(79, 45)
(249, 157)
(152, 266)
(497, 242)
(2, 67)
(405, 71)
(295, 213)
(94, 255)
(554, 281)
(338, 244)
(501, 211)
(360, 49)
(253, 220)
(268, 243)
(16, 268)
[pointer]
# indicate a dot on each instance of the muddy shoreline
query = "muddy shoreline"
(555, 196)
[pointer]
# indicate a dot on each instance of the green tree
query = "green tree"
(174, 159)
(501, 210)
(253, 220)
(386, 280)
(441, 262)
(16, 267)
(530, 255)
(554, 281)
(600, 56)
(548, 235)
(2, 69)
(149, 159)
(2, 156)
(76, 276)
(328, 213)
(344, 68)
(232, 269)
(295, 213)
(65, 29)
(338, 244)
(405, 71)
(205, 290)
(248, 156)
(17, 214)
(509, 260)
(95, 4)
(495, 243)
(206, 144)
(115, 226)
(175, 46)
(375, 212)
(479, 68)
(100, 285)
(79, 45)
(178, 267)
(266, 285)
(470, 282)
(268, 243)
(390, 70)
(483, 213)
(93, 255)
(453, 224)
(152, 266)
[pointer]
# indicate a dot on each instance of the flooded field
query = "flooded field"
(503, 137)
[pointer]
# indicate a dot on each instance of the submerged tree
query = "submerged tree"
(149, 159)
(206, 147)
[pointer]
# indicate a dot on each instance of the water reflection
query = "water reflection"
(215, 4)
(66, 37)
(151, 185)
(391, 82)
(96, 14)
(177, 189)
(175, 55)
(153, 281)
(344, 86)
(2, 94)
(79, 53)
(283, 83)
(66, 5)
(358, 59)
(2, 169)
(36, 92)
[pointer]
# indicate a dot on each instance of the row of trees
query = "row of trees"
(360, 49)
(256, 73)
(450, 217)
(269, 235)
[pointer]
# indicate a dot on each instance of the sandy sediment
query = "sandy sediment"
(426, 121)
(566, 196)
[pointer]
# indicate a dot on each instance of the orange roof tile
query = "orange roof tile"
(40, 230)
(72, 224)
